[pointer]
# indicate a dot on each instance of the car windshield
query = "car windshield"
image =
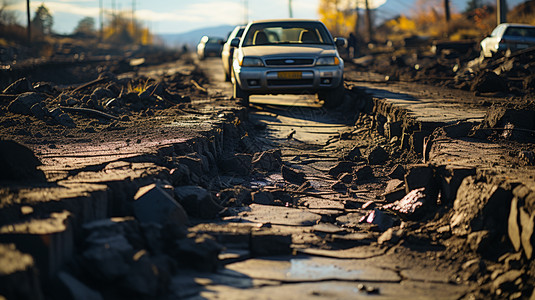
(521, 32)
(286, 33)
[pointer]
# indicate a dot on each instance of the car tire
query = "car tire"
(334, 97)
(238, 93)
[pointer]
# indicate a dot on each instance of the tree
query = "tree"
(43, 20)
(7, 16)
(86, 26)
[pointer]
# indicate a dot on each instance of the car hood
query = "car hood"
(289, 50)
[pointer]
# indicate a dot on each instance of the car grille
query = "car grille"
(279, 82)
(290, 62)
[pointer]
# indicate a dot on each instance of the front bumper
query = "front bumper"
(266, 80)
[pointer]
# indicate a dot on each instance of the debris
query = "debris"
(197, 201)
(153, 204)
(19, 163)
(397, 172)
(269, 160)
(376, 155)
(361, 173)
(23, 103)
(379, 218)
(412, 206)
(293, 176)
(341, 167)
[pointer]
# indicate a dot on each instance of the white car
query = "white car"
(508, 36)
(288, 56)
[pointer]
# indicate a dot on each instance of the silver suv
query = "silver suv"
(288, 57)
(508, 36)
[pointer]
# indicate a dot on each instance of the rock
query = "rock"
(263, 197)
(379, 218)
(72, 288)
(293, 176)
(341, 167)
(488, 82)
(153, 204)
(19, 277)
(397, 172)
(353, 155)
(362, 173)
(142, 277)
(197, 201)
(239, 164)
(395, 195)
(412, 206)
(346, 178)
(393, 129)
(267, 243)
(18, 163)
(101, 93)
(107, 259)
(481, 205)
(393, 185)
(62, 118)
(23, 103)
(180, 175)
(198, 251)
(391, 236)
(20, 86)
(527, 223)
(527, 158)
(128, 227)
(45, 87)
(513, 228)
(194, 164)
(339, 186)
(506, 281)
(153, 89)
(269, 160)
(376, 155)
(39, 111)
(479, 241)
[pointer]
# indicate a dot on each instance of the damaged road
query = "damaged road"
(158, 185)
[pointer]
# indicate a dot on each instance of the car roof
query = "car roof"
(284, 20)
(517, 25)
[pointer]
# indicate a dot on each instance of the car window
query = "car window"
(286, 33)
(520, 32)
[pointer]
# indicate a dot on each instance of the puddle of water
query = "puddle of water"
(304, 268)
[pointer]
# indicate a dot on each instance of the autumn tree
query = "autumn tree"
(339, 16)
(121, 29)
(86, 26)
(7, 15)
(42, 21)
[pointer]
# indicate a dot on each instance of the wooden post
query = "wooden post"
(369, 22)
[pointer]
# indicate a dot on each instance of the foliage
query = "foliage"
(7, 15)
(42, 21)
(339, 18)
(86, 26)
(124, 30)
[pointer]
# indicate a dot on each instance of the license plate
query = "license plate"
(290, 75)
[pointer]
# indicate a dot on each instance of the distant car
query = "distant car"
(228, 51)
(288, 56)
(209, 46)
(508, 36)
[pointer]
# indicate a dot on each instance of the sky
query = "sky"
(177, 16)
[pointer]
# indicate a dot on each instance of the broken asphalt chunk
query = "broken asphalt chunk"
(197, 201)
(342, 167)
(269, 160)
(412, 206)
(376, 155)
(154, 204)
(18, 163)
(23, 103)
(292, 175)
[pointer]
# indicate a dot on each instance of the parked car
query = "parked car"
(508, 36)
(288, 56)
(228, 51)
(209, 46)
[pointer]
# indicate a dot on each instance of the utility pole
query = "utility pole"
(245, 11)
(133, 12)
(501, 11)
(369, 21)
(29, 29)
(290, 8)
(447, 11)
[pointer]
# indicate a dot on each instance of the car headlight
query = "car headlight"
(251, 62)
(328, 61)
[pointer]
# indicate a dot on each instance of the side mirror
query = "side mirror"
(340, 42)
(235, 42)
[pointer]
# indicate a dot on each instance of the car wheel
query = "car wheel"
(238, 93)
(333, 98)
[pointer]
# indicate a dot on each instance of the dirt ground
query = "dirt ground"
(284, 198)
